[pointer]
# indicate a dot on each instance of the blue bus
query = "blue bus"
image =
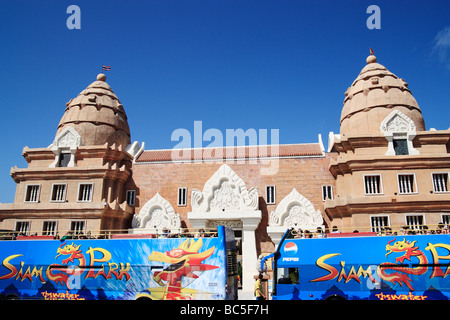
(362, 268)
(125, 268)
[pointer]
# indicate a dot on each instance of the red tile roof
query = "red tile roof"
(241, 152)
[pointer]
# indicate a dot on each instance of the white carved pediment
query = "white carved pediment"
(158, 214)
(397, 122)
(69, 137)
(296, 211)
(397, 125)
(224, 191)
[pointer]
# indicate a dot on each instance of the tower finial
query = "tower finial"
(371, 58)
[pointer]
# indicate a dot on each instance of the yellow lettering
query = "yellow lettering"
(437, 271)
(10, 267)
(333, 273)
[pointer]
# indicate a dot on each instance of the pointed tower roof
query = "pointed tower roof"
(374, 94)
(97, 115)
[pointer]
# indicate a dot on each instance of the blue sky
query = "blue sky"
(262, 64)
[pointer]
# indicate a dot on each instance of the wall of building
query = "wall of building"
(307, 175)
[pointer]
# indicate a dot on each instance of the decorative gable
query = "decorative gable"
(65, 147)
(157, 214)
(69, 137)
(398, 126)
(397, 122)
(224, 191)
(293, 211)
(296, 211)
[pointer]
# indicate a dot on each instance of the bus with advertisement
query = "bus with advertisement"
(126, 267)
(410, 267)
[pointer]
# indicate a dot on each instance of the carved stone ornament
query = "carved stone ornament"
(296, 211)
(397, 125)
(68, 138)
(397, 122)
(158, 214)
(224, 191)
(233, 224)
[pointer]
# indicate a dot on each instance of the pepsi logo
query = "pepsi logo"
(290, 249)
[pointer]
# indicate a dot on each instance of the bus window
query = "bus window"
(287, 275)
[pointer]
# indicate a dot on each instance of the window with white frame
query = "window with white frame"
(85, 192)
(32, 193)
(399, 131)
(406, 183)
(378, 223)
(78, 226)
(131, 197)
(270, 194)
(23, 227)
(58, 193)
(182, 192)
(440, 182)
(49, 228)
(327, 192)
(372, 184)
(415, 221)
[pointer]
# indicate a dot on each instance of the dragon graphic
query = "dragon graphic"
(401, 276)
(184, 262)
(74, 252)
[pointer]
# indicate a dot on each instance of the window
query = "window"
(400, 146)
(446, 219)
(23, 227)
(182, 196)
(372, 184)
(58, 193)
(64, 159)
(270, 194)
(406, 183)
(327, 192)
(288, 276)
(415, 222)
(85, 192)
(32, 193)
(49, 228)
(77, 227)
(440, 182)
(378, 223)
(131, 197)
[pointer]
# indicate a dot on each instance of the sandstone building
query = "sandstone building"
(383, 170)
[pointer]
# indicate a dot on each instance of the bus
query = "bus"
(410, 267)
(125, 267)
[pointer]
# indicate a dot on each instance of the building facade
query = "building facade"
(382, 171)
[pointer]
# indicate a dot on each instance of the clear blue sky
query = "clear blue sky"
(262, 64)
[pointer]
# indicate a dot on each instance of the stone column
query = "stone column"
(249, 254)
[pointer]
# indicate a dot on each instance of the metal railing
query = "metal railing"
(107, 234)
(212, 232)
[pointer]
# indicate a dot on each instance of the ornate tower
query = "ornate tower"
(390, 172)
(78, 182)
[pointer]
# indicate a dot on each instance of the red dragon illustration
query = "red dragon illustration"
(401, 277)
(185, 261)
(74, 252)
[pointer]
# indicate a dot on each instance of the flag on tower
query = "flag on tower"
(106, 68)
(371, 51)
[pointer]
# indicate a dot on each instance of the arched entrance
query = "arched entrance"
(226, 200)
